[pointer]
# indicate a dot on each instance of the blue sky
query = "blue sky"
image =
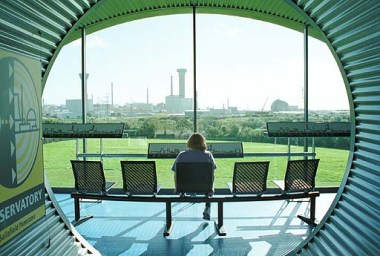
(240, 61)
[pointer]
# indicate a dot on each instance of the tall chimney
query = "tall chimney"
(171, 85)
(181, 73)
(147, 95)
(112, 94)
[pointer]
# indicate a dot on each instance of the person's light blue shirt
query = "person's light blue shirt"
(194, 155)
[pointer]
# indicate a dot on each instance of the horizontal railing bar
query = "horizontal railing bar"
(258, 154)
(110, 155)
(218, 191)
(195, 199)
(274, 154)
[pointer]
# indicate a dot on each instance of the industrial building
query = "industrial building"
(178, 104)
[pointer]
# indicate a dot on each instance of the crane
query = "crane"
(262, 109)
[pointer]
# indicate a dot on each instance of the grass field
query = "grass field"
(57, 156)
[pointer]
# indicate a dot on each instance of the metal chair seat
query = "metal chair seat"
(299, 176)
(249, 178)
(139, 177)
(195, 178)
(89, 177)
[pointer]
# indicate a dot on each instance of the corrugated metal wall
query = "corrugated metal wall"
(352, 29)
(36, 29)
(52, 235)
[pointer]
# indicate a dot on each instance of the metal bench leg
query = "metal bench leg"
(311, 220)
(169, 221)
(219, 224)
(78, 220)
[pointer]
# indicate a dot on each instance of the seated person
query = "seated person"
(197, 153)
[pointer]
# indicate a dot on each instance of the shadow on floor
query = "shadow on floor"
(274, 234)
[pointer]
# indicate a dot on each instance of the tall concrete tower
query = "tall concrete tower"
(181, 73)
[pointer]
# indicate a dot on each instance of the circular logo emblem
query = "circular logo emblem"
(19, 122)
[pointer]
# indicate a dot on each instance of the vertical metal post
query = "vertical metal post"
(220, 214)
(169, 221)
(195, 68)
(77, 148)
(84, 85)
(101, 150)
(77, 209)
(306, 82)
(219, 224)
(312, 210)
(168, 215)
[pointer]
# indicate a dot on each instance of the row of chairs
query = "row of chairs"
(251, 177)
(139, 177)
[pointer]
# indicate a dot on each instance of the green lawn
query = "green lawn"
(57, 156)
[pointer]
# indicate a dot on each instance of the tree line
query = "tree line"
(249, 128)
(246, 128)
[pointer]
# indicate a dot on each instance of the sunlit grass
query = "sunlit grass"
(57, 156)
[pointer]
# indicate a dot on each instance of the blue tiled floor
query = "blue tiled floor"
(253, 228)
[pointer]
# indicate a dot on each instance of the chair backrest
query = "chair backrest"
(195, 177)
(250, 177)
(139, 177)
(300, 174)
(89, 176)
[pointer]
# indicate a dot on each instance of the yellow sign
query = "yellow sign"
(22, 195)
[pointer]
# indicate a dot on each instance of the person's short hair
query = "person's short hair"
(197, 141)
